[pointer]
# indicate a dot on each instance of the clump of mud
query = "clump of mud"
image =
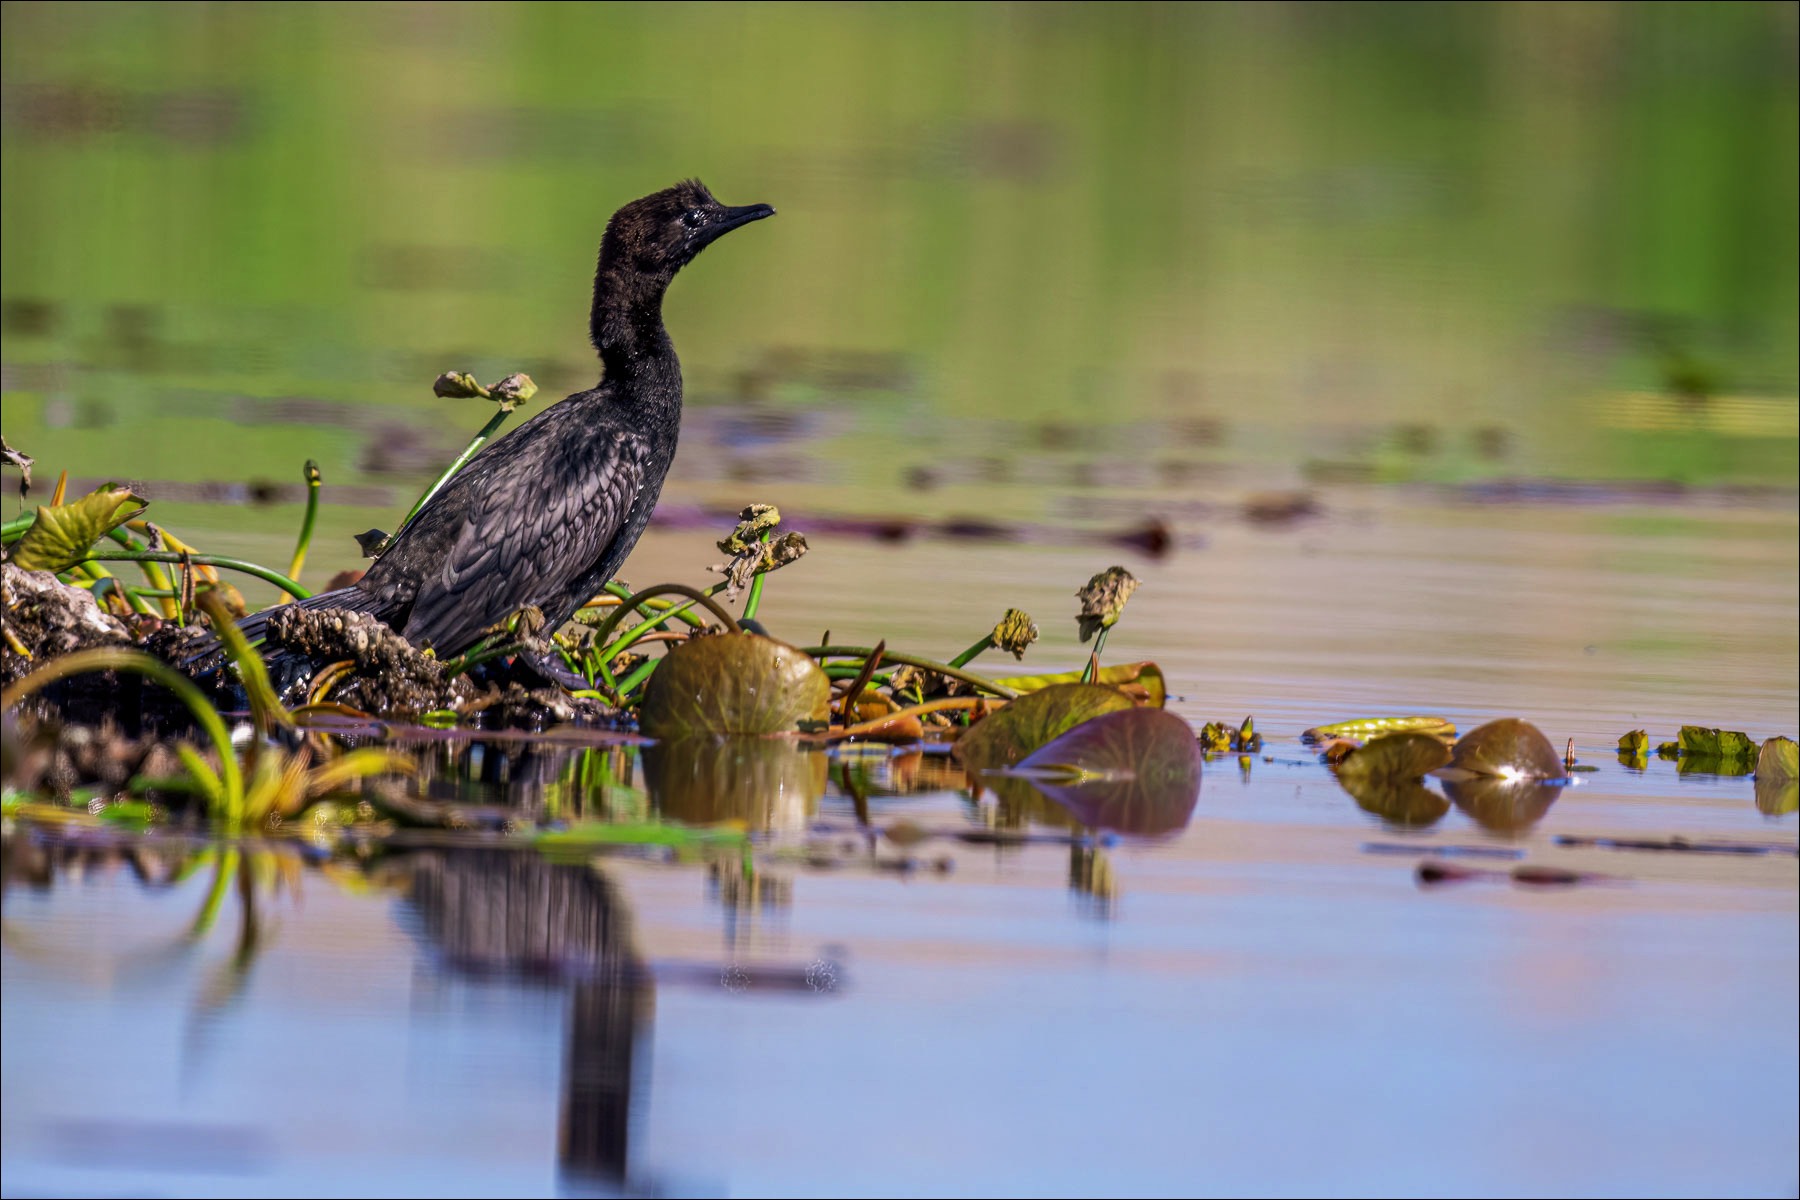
(390, 675)
(49, 619)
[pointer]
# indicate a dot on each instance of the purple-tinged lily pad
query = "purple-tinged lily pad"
(1034, 720)
(1136, 771)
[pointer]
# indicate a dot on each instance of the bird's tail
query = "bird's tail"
(256, 625)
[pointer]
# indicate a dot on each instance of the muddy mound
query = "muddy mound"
(389, 674)
(48, 619)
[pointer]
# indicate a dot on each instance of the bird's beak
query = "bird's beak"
(731, 220)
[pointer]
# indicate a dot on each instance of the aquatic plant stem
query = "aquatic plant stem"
(313, 483)
(159, 578)
(462, 460)
(1093, 663)
(963, 659)
(200, 560)
(611, 623)
(634, 680)
(912, 660)
(754, 600)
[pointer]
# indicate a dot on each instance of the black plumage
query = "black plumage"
(546, 515)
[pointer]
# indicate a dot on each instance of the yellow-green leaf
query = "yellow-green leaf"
(61, 535)
(1145, 675)
(1364, 728)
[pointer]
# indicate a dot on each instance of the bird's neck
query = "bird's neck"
(627, 324)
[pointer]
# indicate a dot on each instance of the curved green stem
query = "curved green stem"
(963, 659)
(313, 482)
(631, 682)
(611, 623)
(160, 584)
(913, 660)
(1093, 662)
(649, 625)
(462, 460)
(205, 560)
(474, 658)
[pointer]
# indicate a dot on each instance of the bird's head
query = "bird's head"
(662, 233)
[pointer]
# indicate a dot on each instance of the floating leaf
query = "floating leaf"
(765, 783)
(1384, 778)
(1503, 805)
(1636, 742)
(1141, 681)
(1779, 760)
(734, 683)
(1033, 720)
(1135, 771)
(1397, 757)
(1369, 727)
(1702, 742)
(61, 534)
(1509, 748)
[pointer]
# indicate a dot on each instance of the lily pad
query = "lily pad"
(1509, 748)
(765, 783)
(1779, 760)
(1702, 742)
(1373, 727)
(1142, 681)
(1136, 771)
(1503, 805)
(734, 683)
(61, 535)
(1636, 743)
(1033, 720)
(1778, 777)
(1384, 778)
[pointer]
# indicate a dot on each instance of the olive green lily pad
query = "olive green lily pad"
(1135, 771)
(1384, 777)
(734, 683)
(765, 783)
(1702, 742)
(1033, 720)
(61, 535)
(1146, 677)
(1510, 748)
(1778, 777)
(1779, 760)
(1373, 727)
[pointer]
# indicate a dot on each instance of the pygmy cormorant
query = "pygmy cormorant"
(547, 514)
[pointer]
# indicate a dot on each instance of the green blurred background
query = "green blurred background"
(1021, 248)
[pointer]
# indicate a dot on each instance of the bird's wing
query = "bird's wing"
(531, 533)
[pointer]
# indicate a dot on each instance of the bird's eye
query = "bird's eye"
(692, 218)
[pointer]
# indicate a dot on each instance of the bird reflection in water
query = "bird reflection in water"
(505, 912)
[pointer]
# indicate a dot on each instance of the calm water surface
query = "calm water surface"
(1452, 349)
(1265, 1001)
